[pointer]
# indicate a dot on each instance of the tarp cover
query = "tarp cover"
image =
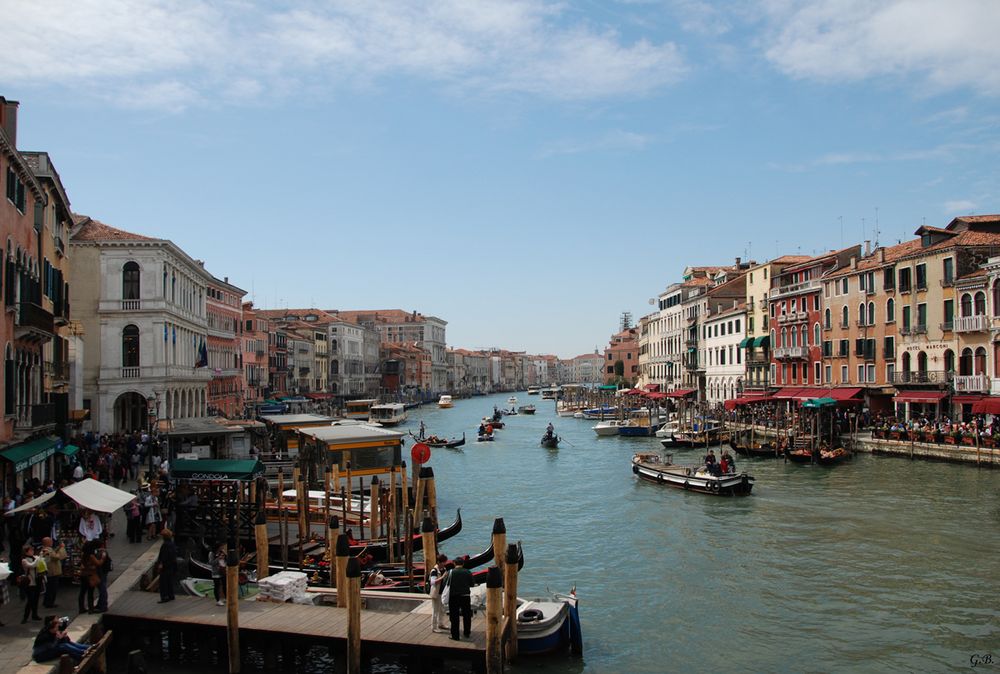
(216, 469)
(97, 496)
(33, 503)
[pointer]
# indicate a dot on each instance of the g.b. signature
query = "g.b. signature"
(976, 659)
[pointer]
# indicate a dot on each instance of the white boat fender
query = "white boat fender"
(530, 615)
(715, 486)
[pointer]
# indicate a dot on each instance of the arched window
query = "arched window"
(906, 363)
(980, 304)
(9, 381)
(130, 281)
(827, 320)
(871, 313)
(816, 334)
(979, 364)
(861, 314)
(784, 337)
(773, 344)
(845, 317)
(130, 346)
(922, 362)
(966, 306)
(805, 336)
(996, 298)
(965, 363)
(949, 361)
(890, 310)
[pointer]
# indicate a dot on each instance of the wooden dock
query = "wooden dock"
(278, 625)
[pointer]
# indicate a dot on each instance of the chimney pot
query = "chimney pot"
(8, 119)
(868, 247)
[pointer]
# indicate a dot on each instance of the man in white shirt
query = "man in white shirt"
(78, 473)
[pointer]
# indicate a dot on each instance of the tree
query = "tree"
(619, 369)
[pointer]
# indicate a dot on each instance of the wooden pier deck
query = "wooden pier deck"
(264, 622)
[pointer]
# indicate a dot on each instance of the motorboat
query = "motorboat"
(599, 413)
(550, 393)
(532, 390)
(526, 409)
(512, 400)
(359, 409)
(388, 414)
(445, 401)
(609, 427)
(549, 625)
(668, 429)
(652, 467)
(703, 432)
(484, 437)
(639, 424)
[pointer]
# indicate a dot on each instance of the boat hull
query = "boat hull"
(680, 478)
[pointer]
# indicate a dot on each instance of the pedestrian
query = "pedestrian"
(134, 527)
(460, 598)
(30, 564)
(52, 642)
(152, 515)
(437, 580)
(90, 526)
(166, 565)
(103, 569)
(219, 575)
(54, 555)
(89, 577)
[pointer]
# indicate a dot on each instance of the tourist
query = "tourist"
(152, 505)
(89, 577)
(54, 555)
(103, 569)
(460, 598)
(4, 590)
(78, 472)
(166, 566)
(133, 530)
(219, 575)
(90, 526)
(31, 583)
(437, 580)
(52, 642)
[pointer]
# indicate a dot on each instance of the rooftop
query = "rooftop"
(95, 230)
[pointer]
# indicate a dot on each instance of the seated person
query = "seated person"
(52, 642)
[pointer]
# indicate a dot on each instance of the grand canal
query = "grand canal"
(880, 564)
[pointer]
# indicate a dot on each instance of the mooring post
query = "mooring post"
(374, 501)
(332, 533)
(353, 592)
(260, 534)
(494, 607)
(510, 600)
(406, 486)
(499, 543)
(431, 493)
(326, 495)
(393, 516)
(303, 512)
(343, 554)
(232, 608)
(430, 550)
(418, 500)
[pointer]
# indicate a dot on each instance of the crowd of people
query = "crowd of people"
(940, 429)
(724, 465)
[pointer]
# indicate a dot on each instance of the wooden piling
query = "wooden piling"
(510, 600)
(393, 516)
(430, 550)
(260, 534)
(431, 493)
(347, 503)
(374, 502)
(326, 495)
(418, 500)
(343, 554)
(332, 533)
(406, 487)
(494, 608)
(302, 509)
(353, 592)
(232, 609)
(499, 543)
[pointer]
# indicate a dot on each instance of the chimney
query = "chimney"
(738, 262)
(225, 279)
(881, 254)
(8, 119)
(868, 247)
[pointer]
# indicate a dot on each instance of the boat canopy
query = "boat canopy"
(819, 403)
(216, 469)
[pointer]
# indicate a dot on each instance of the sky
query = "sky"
(526, 170)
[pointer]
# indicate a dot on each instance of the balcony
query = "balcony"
(947, 326)
(33, 323)
(131, 372)
(58, 371)
(978, 323)
(947, 282)
(758, 358)
(691, 343)
(788, 352)
(975, 383)
(131, 305)
(924, 378)
(35, 417)
(794, 289)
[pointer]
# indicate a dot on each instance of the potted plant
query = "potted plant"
(953, 438)
(969, 438)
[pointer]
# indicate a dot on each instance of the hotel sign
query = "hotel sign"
(927, 346)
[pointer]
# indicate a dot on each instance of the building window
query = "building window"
(948, 271)
(890, 311)
(921, 277)
(949, 315)
(828, 374)
(130, 346)
(888, 279)
(827, 320)
(904, 280)
(843, 375)
(130, 281)
(845, 318)
(816, 369)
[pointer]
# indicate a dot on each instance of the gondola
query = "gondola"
(799, 455)
(435, 441)
(456, 443)
(393, 578)
(550, 441)
(761, 451)
(832, 457)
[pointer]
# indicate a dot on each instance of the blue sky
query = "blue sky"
(527, 169)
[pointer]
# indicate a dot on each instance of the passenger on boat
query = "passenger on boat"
(482, 429)
(549, 430)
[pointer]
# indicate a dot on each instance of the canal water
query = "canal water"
(879, 564)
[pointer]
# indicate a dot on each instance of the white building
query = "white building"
(723, 332)
(142, 304)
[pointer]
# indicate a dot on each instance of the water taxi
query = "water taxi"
(532, 390)
(445, 402)
(550, 393)
(388, 414)
(651, 466)
(610, 427)
(359, 409)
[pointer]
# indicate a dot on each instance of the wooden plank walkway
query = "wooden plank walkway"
(381, 632)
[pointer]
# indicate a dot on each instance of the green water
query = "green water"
(879, 564)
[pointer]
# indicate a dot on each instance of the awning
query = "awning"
(27, 454)
(607, 387)
(845, 393)
(968, 399)
(320, 396)
(745, 342)
(652, 388)
(681, 393)
(988, 405)
(33, 503)
(811, 393)
(920, 397)
(97, 496)
(216, 469)
(817, 403)
(787, 393)
(655, 395)
(764, 341)
(68, 450)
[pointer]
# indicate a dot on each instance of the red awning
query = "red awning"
(652, 388)
(808, 393)
(787, 393)
(319, 396)
(988, 405)
(845, 393)
(920, 397)
(968, 399)
(656, 396)
(631, 392)
(681, 393)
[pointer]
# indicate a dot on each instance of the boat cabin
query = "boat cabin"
(369, 450)
(359, 409)
(283, 429)
(388, 414)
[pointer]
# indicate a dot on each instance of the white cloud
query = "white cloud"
(612, 141)
(948, 44)
(946, 152)
(239, 50)
(963, 206)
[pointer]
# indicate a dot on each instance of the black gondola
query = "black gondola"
(550, 441)
(762, 451)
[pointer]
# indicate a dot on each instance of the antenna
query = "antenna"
(876, 227)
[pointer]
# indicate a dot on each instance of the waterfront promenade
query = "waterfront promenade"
(16, 639)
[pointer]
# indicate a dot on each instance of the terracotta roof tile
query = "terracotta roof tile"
(94, 230)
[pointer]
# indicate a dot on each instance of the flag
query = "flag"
(202, 356)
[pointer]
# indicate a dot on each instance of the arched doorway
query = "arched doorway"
(131, 412)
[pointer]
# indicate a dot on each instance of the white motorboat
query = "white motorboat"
(609, 427)
(668, 429)
(445, 401)
(388, 414)
(512, 400)
(532, 390)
